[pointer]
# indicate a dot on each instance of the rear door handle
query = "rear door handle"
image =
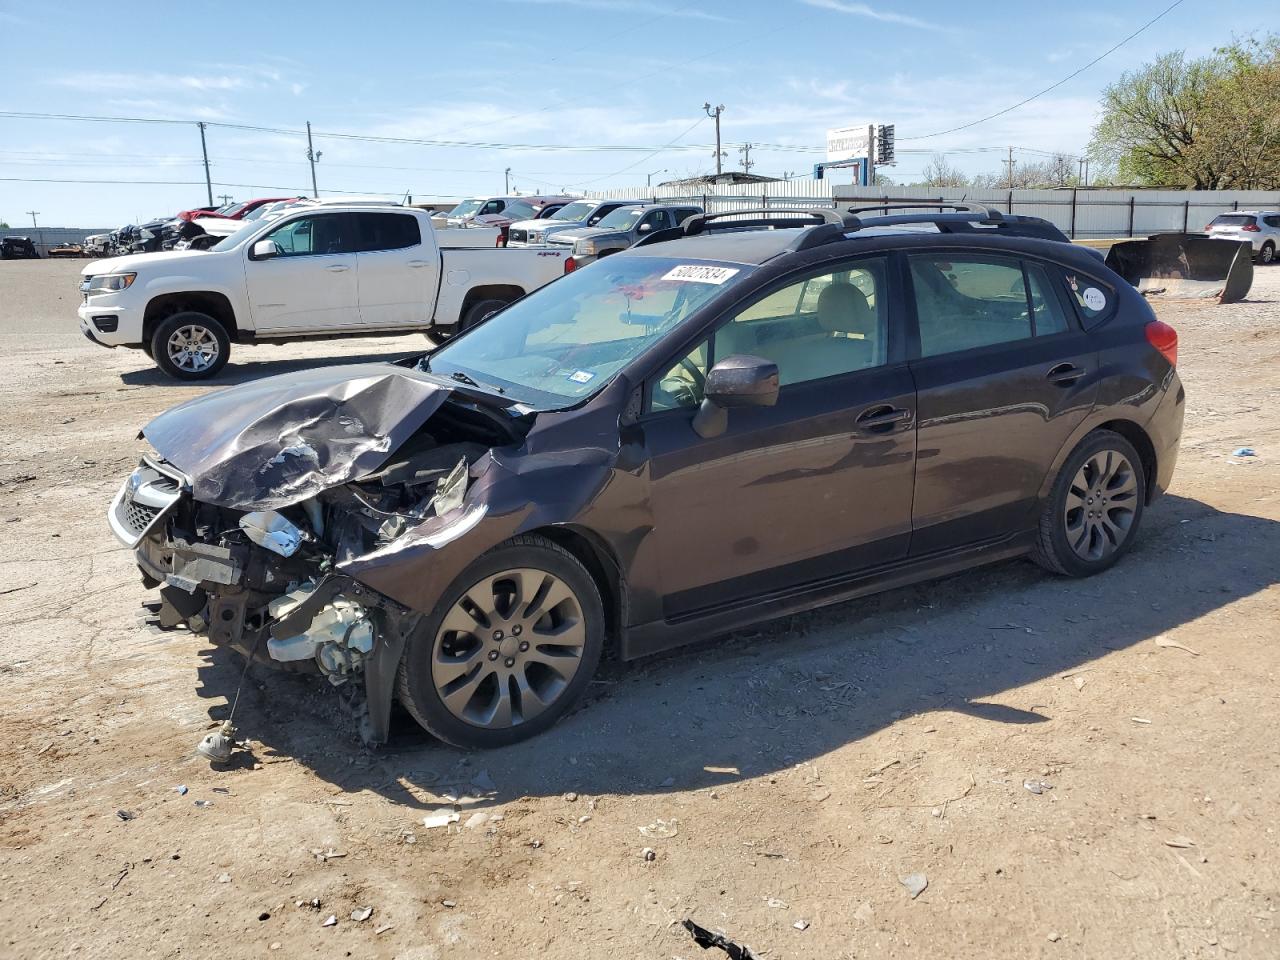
(881, 418)
(418, 263)
(338, 268)
(1064, 374)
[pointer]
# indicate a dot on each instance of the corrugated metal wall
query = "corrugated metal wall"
(1082, 214)
(46, 237)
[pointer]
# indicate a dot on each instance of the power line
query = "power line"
(583, 183)
(1072, 76)
(217, 183)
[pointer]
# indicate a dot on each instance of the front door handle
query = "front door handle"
(881, 418)
(338, 268)
(1064, 374)
(418, 263)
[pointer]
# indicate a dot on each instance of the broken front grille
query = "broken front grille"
(144, 498)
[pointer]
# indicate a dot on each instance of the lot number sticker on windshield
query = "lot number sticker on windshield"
(699, 274)
(581, 376)
(1094, 298)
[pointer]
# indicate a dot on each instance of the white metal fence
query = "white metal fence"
(1079, 213)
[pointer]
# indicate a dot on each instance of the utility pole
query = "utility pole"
(747, 162)
(33, 218)
(314, 158)
(224, 197)
(506, 181)
(1010, 162)
(716, 115)
(1086, 172)
(648, 177)
(204, 150)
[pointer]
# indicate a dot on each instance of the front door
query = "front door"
(812, 488)
(311, 284)
(1005, 375)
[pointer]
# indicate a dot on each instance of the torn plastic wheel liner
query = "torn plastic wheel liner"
(707, 940)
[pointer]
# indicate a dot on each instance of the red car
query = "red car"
(232, 211)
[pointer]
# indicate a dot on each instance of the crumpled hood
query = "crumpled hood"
(278, 441)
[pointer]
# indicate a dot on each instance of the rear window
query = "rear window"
(387, 231)
(1094, 300)
(1232, 220)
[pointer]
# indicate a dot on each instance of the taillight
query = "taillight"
(1165, 339)
(1252, 228)
(570, 264)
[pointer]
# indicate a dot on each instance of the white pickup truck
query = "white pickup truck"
(311, 273)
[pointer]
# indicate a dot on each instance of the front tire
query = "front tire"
(1092, 514)
(1267, 255)
(509, 649)
(190, 345)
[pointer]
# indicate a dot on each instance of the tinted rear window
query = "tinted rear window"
(1232, 220)
(387, 231)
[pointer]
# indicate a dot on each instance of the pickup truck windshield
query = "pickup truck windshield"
(466, 208)
(624, 218)
(565, 341)
(574, 212)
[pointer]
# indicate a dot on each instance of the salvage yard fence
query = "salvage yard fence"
(1081, 213)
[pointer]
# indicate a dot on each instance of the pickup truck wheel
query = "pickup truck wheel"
(190, 345)
(481, 311)
(509, 649)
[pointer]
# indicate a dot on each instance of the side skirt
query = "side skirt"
(657, 636)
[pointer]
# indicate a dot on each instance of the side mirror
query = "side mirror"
(266, 249)
(737, 381)
(645, 228)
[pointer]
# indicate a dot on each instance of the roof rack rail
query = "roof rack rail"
(830, 224)
(915, 203)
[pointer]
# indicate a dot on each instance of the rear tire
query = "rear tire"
(190, 345)
(482, 670)
(481, 311)
(1092, 514)
(1267, 255)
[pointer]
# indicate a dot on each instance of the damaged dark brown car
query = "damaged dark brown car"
(700, 433)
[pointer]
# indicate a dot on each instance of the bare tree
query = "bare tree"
(939, 173)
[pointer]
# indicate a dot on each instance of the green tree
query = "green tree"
(1208, 123)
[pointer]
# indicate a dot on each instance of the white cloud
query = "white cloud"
(689, 11)
(871, 13)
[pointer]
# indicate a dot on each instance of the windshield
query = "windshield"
(565, 341)
(466, 208)
(235, 209)
(521, 210)
(257, 212)
(574, 211)
(624, 218)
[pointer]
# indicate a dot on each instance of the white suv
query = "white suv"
(1261, 228)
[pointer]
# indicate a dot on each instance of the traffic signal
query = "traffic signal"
(884, 143)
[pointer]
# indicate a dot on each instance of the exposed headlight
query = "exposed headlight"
(585, 248)
(110, 282)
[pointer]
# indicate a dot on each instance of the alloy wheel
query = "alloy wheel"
(1101, 505)
(192, 348)
(508, 648)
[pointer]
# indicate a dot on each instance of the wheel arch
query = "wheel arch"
(591, 550)
(495, 291)
(1132, 431)
(216, 305)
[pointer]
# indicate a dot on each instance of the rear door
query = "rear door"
(398, 272)
(1003, 377)
(311, 284)
(812, 488)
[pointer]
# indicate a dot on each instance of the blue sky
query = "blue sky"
(573, 73)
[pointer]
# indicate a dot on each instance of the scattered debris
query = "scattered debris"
(1080, 681)
(361, 915)
(706, 940)
(202, 804)
(801, 924)
(182, 790)
(775, 904)
(379, 931)
(649, 854)
(1244, 452)
(1054, 938)
(1139, 719)
(441, 818)
(570, 797)
(216, 747)
(916, 883)
(125, 815)
(330, 921)
(224, 878)
(1163, 641)
(1037, 786)
(661, 829)
(476, 820)
(448, 904)
(1180, 842)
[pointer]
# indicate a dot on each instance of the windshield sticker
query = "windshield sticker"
(581, 376)
(696, 273)
(1094, 299)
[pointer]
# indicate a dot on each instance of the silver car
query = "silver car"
(1261, 228)
(580, 213)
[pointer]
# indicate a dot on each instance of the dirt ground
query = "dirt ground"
(801, 770)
